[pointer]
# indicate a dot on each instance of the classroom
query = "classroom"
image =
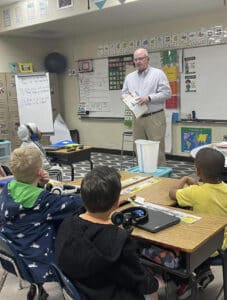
(93, 35)
(32, 41)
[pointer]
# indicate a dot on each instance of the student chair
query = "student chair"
(69, 291)
(75, 136)
(218, 261)
(127, 136)
(56, 172)
(12, 263)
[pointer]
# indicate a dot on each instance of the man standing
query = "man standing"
(152, 87)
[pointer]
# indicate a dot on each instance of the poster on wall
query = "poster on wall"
(64, 3)
(85, 65)
(117, 66)
(194, 137)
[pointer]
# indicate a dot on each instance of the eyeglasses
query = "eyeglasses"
(140, 58)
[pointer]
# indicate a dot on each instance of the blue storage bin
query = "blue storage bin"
(160, 171)
(5, 150)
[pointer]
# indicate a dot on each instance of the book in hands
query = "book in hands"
(131, 101)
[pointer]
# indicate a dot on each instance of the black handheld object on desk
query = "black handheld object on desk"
(130, 217)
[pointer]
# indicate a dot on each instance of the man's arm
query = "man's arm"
(159, 92)
(125, 89)
(186, 180)
(163, 91)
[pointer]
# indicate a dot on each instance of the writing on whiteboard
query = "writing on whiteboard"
(34, 100)
(94, 88)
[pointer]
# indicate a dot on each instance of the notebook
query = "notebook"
(64, 143)
(158, 220)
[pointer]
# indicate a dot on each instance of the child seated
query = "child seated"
(30, 136)
(29, 215)
(98, 257)
(208, 197)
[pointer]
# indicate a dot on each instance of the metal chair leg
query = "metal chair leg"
(3, 279)
(122, 149)
(126, 134)
(220, 293)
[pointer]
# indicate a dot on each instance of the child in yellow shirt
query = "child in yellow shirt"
(208, 197)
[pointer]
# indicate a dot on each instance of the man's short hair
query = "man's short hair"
(25, 163)
(100, 189)
(211, 163)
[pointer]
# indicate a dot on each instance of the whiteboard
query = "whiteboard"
(95, 94)
(34, 100)
(209, 101)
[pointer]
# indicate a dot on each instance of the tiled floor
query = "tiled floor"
(10, 291)
(180, 168)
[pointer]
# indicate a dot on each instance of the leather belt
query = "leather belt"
(151, 113)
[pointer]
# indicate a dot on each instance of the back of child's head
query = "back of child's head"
(28, 132)
(211, 163)
(100, 189)
(25, 164)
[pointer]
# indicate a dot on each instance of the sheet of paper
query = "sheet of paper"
(131, 101)
(132, 180)
(61, 131)
(139, 186)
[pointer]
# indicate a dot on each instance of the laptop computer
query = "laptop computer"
(158, 220)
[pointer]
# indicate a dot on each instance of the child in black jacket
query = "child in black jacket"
(97, 256)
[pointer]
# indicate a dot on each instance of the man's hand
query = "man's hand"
(143, 100)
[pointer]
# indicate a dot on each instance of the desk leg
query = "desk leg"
(91, 164)
(225, 273)
(193, 284)
(72, 172)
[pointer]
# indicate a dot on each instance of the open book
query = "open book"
(131, 101)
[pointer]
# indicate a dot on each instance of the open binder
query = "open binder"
(131, 101)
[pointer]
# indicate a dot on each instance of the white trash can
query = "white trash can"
(147, 155)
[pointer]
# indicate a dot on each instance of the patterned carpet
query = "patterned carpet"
(180, 168)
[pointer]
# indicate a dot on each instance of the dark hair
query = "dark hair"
(211, 162)
(100, 189)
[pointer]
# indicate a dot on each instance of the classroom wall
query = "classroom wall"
(53, 13)
(107, 134)
(98, 133)
(15, 49)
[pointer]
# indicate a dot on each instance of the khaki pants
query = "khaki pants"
(153, 128)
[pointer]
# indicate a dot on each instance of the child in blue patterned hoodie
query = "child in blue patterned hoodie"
(29, 215)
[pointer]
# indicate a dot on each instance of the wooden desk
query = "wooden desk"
(156, 193)
(62, 156)
(196, 241)
(222, 147)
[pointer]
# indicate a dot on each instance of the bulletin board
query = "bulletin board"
(204, 82)
(34, 100)
(99, 96)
